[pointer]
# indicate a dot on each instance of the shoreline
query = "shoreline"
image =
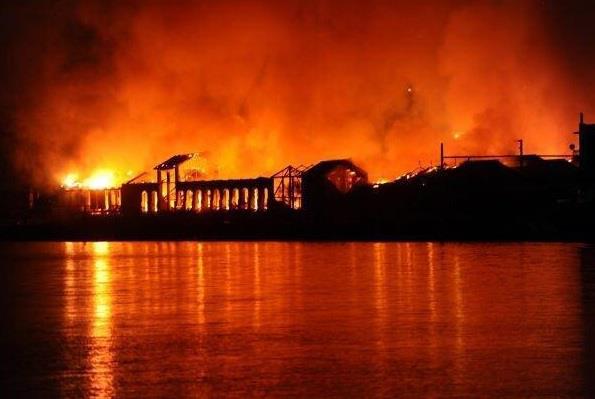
(296, 227)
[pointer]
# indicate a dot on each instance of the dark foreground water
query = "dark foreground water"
(297, 319)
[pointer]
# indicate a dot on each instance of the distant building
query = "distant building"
(327, 182)
(586, 155)
(177, 187)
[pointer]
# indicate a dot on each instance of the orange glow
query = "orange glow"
(270, 89)
(99, 180)
(71, 181)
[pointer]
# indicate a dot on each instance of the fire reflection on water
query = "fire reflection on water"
(208, 313)
(101, 355)
(228, 282)
(201, 286)
(257, 287)
(69, 288)
(432, 306)
(459, 321)
(381, 308)
(380, 300)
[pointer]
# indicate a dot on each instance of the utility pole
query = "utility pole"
(520, 141)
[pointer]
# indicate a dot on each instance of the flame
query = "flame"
(99, 180)
(70, 181)
(272, 89)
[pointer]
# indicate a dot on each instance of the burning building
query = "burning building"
(177, 186)
(179, 183)
(515, 192)
(98, 194)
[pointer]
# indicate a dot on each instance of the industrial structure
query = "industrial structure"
(177, 186)
(509, 192)
(92, 201)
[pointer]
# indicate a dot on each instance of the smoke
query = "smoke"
(260, 84)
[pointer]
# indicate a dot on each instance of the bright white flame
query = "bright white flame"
(71, 181)
(99, 180)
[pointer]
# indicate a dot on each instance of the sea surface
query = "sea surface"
(310, 320)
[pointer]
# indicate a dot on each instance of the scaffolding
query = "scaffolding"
(287, 186)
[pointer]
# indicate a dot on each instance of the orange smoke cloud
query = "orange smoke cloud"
(257, 85)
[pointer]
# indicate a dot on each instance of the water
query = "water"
(297, 319)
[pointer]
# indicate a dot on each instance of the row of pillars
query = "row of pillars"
(93, 200)
(202, 200)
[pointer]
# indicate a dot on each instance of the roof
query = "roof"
(323, 167)
(292, 171)
(483, 165)
(173, 161)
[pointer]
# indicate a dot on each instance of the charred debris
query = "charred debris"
(505, 197)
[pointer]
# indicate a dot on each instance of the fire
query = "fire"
(99, 180)
(70, 181)
(257, 104)
(380, 182)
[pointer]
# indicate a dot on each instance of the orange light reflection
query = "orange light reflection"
(101, 355)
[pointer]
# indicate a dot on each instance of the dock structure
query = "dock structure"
(338, 186)
(178, 186)
(228, 195)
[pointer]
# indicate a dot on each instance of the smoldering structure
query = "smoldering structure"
(501, 195)
(177, 186)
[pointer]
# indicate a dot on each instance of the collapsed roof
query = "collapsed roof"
(174, 161)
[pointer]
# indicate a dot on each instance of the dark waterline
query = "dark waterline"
(297, 319)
